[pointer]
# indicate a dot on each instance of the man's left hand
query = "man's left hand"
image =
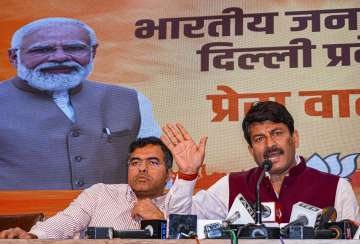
(146, 210)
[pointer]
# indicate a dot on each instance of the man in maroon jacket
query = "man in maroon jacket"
(269, 130)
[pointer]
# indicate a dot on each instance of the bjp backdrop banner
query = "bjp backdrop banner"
(203, 62)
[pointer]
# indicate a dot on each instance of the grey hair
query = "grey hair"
(19, 35)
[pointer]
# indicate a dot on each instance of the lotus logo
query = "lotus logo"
(333, 164)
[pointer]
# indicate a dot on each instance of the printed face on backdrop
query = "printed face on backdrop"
(56, 57)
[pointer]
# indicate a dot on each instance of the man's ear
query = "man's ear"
(251, 150)
(296, 138)
(12, 54)
(93, 50)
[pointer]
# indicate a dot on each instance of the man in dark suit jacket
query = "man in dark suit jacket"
(57, 129)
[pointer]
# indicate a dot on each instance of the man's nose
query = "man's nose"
(143, 167)
(59, 55)
(270, 142)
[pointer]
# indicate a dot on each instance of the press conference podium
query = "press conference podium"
(191, 241)
(50, 202)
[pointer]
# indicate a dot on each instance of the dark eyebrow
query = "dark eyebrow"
(260, 134)
(271, 131)
(275, 129)
(134, 158)
(75, 45)
(40, 47)
(156, 158)
(149, 158)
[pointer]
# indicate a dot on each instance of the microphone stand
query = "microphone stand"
(257, 230)
(266, 165)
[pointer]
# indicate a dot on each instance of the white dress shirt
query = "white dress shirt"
(101, 205)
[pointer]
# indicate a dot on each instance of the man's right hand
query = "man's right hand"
(188, 155)
(16, 233)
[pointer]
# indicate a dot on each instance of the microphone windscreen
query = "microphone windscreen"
(267, 165)
(246, 212)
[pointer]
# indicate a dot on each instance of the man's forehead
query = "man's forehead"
(51, 43)
(55, 33)
(148, 151)
(266, 125)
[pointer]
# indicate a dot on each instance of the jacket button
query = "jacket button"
(78, 158)
(79, 183)
(75, 133)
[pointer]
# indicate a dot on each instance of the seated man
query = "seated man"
(269, 130)
(120, 206)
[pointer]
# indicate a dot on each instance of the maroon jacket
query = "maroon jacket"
(303, 184)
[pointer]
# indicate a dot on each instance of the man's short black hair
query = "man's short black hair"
(152, 140)
(268, 110)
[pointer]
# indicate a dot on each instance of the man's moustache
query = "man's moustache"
(272, 150)
(143, 176)
(68, 64)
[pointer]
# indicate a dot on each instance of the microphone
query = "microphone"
(157, 228)
(327, 234)
(266, 165)
(329, 214)
(99, 233)
(329, 228)
(298, 229)
(257, 230)
(110, 233)
(241, 211)
(182, 226)
(305, 216)
(344, 229)
(216, 230)
(150, 229)
(271, 212)
(132, 234)
(231, 219)
(301, 220)
(312, 213)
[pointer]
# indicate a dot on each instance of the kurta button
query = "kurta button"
(79, 182)
(78, 158)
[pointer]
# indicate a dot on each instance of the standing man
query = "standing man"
(120, 206)
(269, 130)
(59, 130)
